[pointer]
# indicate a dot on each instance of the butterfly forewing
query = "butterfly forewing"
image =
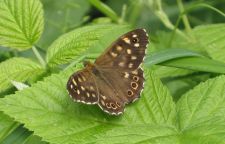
(82, 88)
(127, 52)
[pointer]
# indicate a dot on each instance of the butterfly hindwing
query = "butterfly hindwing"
(82, 88)
(109, 99)
(126, 84)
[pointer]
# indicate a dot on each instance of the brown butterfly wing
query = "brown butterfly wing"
(126, 53)
(116, 78)
(120, 69)
(109, 100)
(82, 87)
(127, 85)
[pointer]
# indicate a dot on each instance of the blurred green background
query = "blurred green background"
(159, 17)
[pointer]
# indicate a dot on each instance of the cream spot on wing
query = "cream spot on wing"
(92, 88)
(119, 48)
(113, 54)
(136, 45)
(88, 94)
(79, 79)
(82, 88)
(134, 35)
(128, 51)
(130, 65)
(104, 97)
(84, 79)
(121, 64)
(78, 91)
(93, 95)
(126, 75)
(74, 82)
(127, 40)
(71, 86)
(135, 72)
(133, 57)
(102, 102)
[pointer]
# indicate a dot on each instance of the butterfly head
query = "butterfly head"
(87, 64)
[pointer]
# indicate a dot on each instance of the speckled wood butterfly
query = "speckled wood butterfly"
(115, 78)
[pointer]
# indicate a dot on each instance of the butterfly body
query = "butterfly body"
(115, 78)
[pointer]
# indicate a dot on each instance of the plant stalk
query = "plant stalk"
(38, 56)
(184, 16)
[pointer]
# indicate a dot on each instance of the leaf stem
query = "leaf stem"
(105, 9)
(184, 16)
(38, 56)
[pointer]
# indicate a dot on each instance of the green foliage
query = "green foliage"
(53, 116)
(18, 69)
(21, 23)
(62, 16)
(201, 113)
(152, 118)
(183, 97)
(76, 43)
(6, 125)
(212, 38)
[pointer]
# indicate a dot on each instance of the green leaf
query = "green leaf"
(21, 23)
(18, 69)
(76, 43)
(18, 136)
(7, 125)
(197, 64)
(57, 119)
(169, 54)
(212, 38)
(201, 113)
(34, 140)
(166, 71)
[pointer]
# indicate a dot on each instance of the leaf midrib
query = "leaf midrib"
(16, 21)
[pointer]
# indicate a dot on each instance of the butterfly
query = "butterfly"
(115, 78)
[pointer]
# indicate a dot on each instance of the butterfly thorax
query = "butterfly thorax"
(91, 67)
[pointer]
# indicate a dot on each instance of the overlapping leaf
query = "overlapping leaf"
(75, 43)
(54, 117)
(21, 23)
(201, 113)
(212, 38)
(6, 125)
(18, 69)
